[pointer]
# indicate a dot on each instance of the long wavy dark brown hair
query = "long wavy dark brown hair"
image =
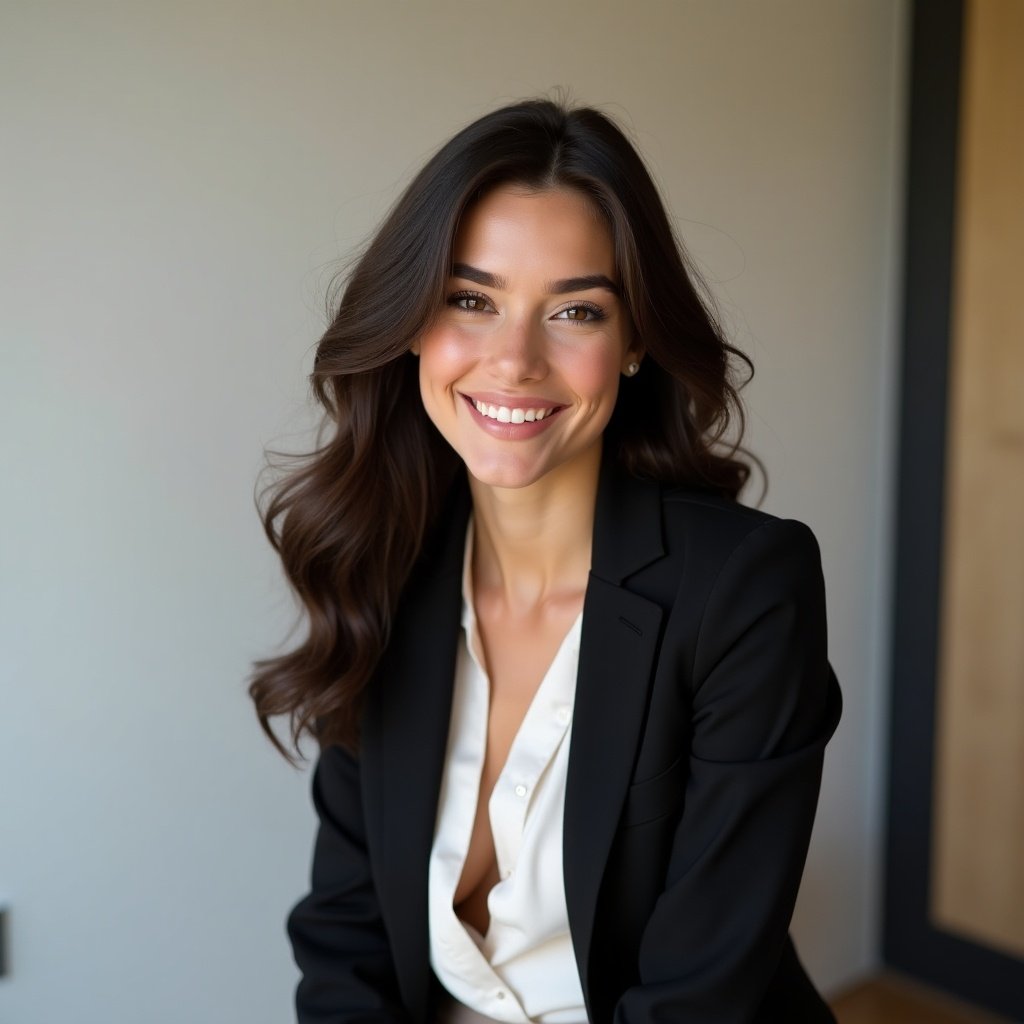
(349, 519)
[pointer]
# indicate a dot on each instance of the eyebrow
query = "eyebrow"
(560, 287)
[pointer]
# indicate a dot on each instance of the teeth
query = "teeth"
(503, 414)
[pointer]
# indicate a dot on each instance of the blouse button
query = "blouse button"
(500, 994)
(520, 790)
(562, 716)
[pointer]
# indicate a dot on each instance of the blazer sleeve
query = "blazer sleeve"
(764, 703)
(337, 934)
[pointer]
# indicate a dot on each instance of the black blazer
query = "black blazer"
(704, 701)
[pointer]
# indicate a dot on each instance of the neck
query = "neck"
(532, 545)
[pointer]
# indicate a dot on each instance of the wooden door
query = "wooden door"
(955, 873)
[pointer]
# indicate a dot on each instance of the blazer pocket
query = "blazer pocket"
(655, 797)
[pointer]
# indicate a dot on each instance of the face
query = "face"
(521, 369)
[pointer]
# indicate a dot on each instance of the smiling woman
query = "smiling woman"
(571, 696)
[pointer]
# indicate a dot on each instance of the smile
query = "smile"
(512, 422)
(504, 414)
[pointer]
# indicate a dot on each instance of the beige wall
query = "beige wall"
(177, 178)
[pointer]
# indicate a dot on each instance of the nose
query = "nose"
(517, 352)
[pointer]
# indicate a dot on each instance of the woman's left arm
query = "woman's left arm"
(764, 704)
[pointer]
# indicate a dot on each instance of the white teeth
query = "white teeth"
(503, 414)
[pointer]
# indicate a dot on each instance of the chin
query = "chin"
(516, 472)
(508, 472)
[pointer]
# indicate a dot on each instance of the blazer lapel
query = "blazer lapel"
(618, 645)
(405, 736)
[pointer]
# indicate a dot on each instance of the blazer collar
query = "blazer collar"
(627, 523)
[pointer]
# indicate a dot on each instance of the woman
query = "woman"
(571, 697)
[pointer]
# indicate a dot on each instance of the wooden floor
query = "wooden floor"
(894, 999)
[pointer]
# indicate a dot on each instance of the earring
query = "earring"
(631, 369)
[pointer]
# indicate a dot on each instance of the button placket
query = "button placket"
(466, 966)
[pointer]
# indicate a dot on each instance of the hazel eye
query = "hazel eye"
(581, 313)
(472, 302)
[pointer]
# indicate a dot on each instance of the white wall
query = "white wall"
(177, 178)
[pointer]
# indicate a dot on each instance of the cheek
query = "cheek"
(444, 356)
(594, 373)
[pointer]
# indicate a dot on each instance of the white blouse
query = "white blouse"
(524, 968)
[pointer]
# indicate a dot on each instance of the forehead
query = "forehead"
(557, 232)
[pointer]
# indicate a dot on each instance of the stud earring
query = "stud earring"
(631, 369)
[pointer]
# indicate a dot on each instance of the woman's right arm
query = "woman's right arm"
(338, 937)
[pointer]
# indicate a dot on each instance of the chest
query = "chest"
(516, 654)
(523, 676)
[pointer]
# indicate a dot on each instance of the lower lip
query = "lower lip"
(511, 431)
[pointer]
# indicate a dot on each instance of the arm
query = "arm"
(337, 935)
(764, 704)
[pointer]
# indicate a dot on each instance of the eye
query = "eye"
(471, 302)
(581, 313)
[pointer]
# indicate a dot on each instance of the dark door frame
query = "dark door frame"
(911, 942)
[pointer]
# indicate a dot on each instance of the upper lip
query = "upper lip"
(510, 401)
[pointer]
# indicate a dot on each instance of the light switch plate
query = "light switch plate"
(3, 940)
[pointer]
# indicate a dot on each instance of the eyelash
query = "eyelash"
(596, 312)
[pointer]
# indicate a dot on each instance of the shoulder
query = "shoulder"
(718, 519)
(711, 533)
(748, 623)
(693, 553)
